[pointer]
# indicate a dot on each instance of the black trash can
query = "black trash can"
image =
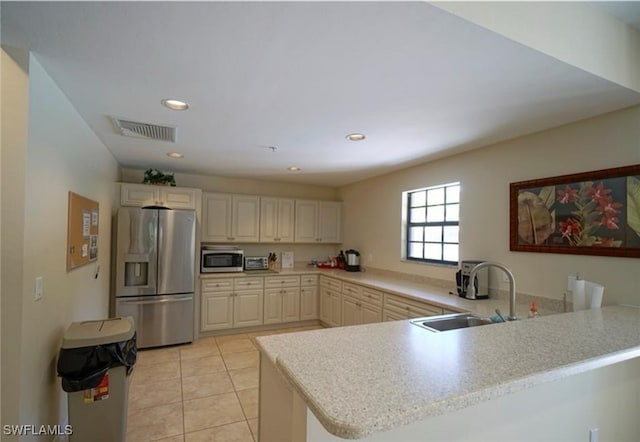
(95, 362)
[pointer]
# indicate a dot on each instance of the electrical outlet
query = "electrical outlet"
(593, 435)
(37, 290)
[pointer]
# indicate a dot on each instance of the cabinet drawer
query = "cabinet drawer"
(371, 296)
(248, 283)
(330, 283)
(352, 290)
(217, 285)
(281, 281)
(308, 280)
(411, 308)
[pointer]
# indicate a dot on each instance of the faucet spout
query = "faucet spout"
(512, 285)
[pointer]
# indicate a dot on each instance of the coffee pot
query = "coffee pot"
(352, 263)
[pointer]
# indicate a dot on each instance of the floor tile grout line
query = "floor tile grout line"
(227, 371)
(184, 428)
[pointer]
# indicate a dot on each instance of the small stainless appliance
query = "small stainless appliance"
(219, 259)
(256, 263)
(155, 273)
(352, 263)
(481, 282)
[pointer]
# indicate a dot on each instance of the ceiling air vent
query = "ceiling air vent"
(148, 131)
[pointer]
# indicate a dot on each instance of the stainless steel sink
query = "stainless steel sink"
(450, 322)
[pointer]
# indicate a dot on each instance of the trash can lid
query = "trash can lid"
(101, 331)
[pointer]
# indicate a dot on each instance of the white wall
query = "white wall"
(575, 32)
(62, 155)
(246, 186)
(372, 219)
(15, 93)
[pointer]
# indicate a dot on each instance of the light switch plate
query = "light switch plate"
(37, 290)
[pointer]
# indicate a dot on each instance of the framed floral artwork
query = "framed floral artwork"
(590, 213)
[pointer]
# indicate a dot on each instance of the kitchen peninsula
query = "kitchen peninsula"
(557, 377)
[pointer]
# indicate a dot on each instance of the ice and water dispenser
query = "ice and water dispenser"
(136, 273)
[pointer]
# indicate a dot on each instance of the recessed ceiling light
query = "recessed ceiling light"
(294, 169)
(355, 137)
(175, 155)
(176, 105)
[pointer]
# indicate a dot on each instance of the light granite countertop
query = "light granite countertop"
(364, 379)
(436, 292)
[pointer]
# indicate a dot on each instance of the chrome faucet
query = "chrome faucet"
(471, 291)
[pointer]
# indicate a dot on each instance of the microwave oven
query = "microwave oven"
(219, 259)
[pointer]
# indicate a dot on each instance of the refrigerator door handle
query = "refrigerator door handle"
(156, 301)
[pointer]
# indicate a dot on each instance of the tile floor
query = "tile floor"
(204, 391)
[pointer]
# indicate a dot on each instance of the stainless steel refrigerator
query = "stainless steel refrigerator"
(155, 272)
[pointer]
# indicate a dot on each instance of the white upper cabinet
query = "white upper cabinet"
(142, 195)
(318, 221)
(276, 219)
(230, 218)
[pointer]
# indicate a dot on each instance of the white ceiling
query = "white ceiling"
(627, 11)
(419, 82)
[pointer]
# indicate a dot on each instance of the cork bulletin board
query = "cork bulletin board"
(82, 231)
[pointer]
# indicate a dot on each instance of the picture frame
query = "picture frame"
(589, 213)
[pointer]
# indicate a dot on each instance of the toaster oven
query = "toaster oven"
(256, 263)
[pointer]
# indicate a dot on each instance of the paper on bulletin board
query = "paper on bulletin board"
(86, 223)
(287, 260)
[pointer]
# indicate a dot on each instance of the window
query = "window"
(432, 223)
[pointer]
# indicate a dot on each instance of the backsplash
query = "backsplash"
(545, 305)
(303, 253)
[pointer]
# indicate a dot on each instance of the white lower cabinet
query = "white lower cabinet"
(309, 300)
(282, 305)
(282, 299)
(217, 311)
(360, 304)
(397, 308)
(229, 303)
(350, 311)
(331, 307)
(309, 303)
(331, 301)
(253, 301)
(247, 308)
(390, 315)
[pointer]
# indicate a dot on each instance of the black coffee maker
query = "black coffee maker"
(481, 282)
(352, 263)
